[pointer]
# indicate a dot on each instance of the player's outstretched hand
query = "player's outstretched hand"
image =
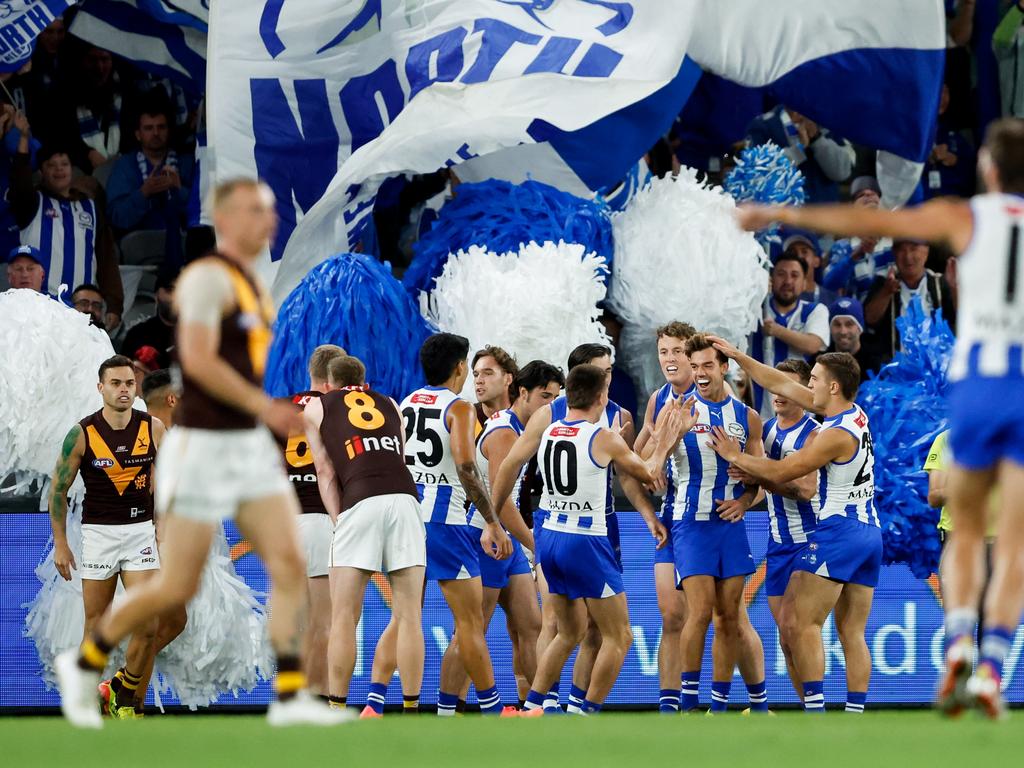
(496, 542)
(64, 560)
(725, 446)
(283, 418)
(755, 217)
(731, 510)
(660, 534)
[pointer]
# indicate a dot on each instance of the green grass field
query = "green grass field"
(874, 740)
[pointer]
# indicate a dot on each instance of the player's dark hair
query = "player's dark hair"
(537, 373)
(321, 358)
(154, 382)
(799, 367)
(440, 356)
(584, 385)
(791, 256)
(584, 353)
(1004, 140)
(676, 330)
(701, 341)
(117, 361)
(844, 369)
(346, 371)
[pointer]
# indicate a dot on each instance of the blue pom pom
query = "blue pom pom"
(500, 216)
(764, 175)
(351, 300)
(906, 405)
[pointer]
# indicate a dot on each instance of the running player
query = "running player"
(839, 566)
(314, 525)
(987, 443)
(114, 450)
(575, 551)
(357, 444)
(440, 449)
(219, 462)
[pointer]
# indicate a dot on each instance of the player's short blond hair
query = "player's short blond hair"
(321, 359)
(346, 371)
(223, 191)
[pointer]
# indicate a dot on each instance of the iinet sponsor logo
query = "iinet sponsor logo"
(360, 445)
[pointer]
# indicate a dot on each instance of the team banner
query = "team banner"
(21, 21)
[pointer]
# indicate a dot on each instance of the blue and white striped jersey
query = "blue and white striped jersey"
(660, 399)
(610, 419)
(65, 233)
(428, 453)
(850, 486)
(700, 474)
(790, 520)
(574, 483)
(499, 420)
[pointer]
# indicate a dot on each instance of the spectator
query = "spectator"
(9, 235)
(846, 324)
(144, 361)
(98, 101)
(891, 294)
(1006, 44)
(959, 23)
(64, 224)
(824, 158)
(855, 263)
(158, 331)
(792, 327)
(25, 268)
(88, 300)
(807, 247)
(951, 165)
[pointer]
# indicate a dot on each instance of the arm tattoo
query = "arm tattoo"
(63, 476)
(473, 483)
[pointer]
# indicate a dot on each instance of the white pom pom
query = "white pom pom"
(680, 256)
(50, 356)
(537, 304)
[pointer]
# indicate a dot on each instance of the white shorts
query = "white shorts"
(381, 533)
(315, 532)
(205, 474)
(109, 549)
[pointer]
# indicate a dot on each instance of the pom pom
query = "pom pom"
(906, 406)
(351, 300)
(530, 324)
(43, 341)
(680, 256)
(765, 175)
(501, 216)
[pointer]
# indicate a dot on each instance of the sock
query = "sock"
(337, 702)
(446, 703)
(688, 694)
(576, 698)
(93, 654)
(324, 698)
(522, 703)
(129, 686)
(720, 695)
(289, 679)
(536, 700)
(460, 707)
(375, 697)
(814, 697)
(490, 701)
(757, 694)
(589, 708)
(116, 680)
(960, 623)
(668, 700)
(995, 645)
(551, 700)
(855, 701)
(411, 704)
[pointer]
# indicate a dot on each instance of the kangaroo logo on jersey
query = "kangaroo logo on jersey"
(422, 398)
(736, 430)
(85, 220)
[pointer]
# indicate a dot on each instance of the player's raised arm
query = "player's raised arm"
(496, 447)
(647, 429)
(327, 480)
(64, 474)
(771, 379)
(831, 445)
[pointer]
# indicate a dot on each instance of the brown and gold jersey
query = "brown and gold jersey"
(298, 459)
(362, 433)
(117, 469)
(244, 342)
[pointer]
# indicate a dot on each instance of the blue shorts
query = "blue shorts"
(612, 522)
(711, 548)
(495, 573)
(576, 565)
(539, 516)
(780, 562)
(664, 555)
(986, 422)
(844, 550)
(452, 552)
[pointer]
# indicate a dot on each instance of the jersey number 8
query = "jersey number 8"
(362, 411)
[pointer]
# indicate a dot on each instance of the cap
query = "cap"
(847, 307)
(799, 236)
(26, 250)
(862, 184)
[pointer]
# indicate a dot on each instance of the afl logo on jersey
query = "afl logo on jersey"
(422, 398)
(701, 429)
(103, 463)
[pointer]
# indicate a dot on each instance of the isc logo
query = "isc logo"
(422, 398)
(565, 431)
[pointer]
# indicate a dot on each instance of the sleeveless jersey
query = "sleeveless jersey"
(789, 520)
(117, 469)
(428, 452)
(574, 483)
(610, 419)
(499, 420)
(64, 231)
(665, 394)
(700, 474)
(244, 342)
(298, 460)
(362, 435)
(850, 486)
(990, 315)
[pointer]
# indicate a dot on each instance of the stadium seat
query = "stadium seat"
(146, 247)
(103, 171)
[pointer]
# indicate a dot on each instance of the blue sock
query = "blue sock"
(757, 694)
(690, 688)
(814, 697)
(855, 702)
(490, 701)
(995, 645)
(446, 703)
(720, 695)
(668, 700)
(375, 697)
(576, 698)
(960, 623)
(534, 700)
(551, 700)
(589, 708)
